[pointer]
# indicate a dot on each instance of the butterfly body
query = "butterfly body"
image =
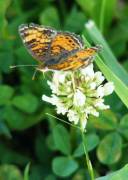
(56, 50)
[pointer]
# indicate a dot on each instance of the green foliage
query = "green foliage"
(6, 94)
(123, 127)
(75, 16)
(26, 172)
(50, 19)
(109, 151)
(3, 22)
(120, 174)
(27, 134)
(27, 103)
(92, 141)
(64, 166)
(106, 121)
(61, 139)
(10, 172)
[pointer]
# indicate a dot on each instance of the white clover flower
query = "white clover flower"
(81, 96)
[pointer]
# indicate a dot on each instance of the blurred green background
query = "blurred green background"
(27, 134)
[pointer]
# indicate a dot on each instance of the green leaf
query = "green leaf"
(6, 92)
(121, 174)
(42, 152)
(50, 17)
(109, 150)
(103, 13)
(106, 53)
(12, 156)
(73, 17)
(50, 142)
(62, 139)
(3, 22)
(4, 130)
(26, 172)
(115, 104)
(50, 177)
(18, 120)
(23, 56)
(39, 173)
(117, 40)
(106, 121)
(123, 127)
(27, 103)
(64, 166)
(10, 172)
(125, 65)
(92, 140)
(87, 5)
(6, 59)
(13, 117)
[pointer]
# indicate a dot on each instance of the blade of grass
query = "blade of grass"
(102, 16)
(106, 54)
(26, 172)
(120, 88)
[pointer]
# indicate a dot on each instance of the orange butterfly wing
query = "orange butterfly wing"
(79, 59)
(37, 39)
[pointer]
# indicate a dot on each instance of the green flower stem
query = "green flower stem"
(89, 165)
(88, 162)
(101, 23)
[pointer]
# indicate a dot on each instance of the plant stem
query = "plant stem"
(101, 23)
(88, 162)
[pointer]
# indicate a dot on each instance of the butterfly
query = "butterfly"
(56, 50)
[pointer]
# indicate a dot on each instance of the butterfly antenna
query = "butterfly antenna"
(24, 65)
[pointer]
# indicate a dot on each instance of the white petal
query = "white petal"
(103, 106)
(79, 98)
(99, 103)
(93, 85)
(46, 98)
(54, 87)
(100, 91)
(91, 110)
(108, 88)
(72, 116)
(88, 71)
(59, 76)
(99, 78)
(88, 109)
(61, 109)
(94, 113)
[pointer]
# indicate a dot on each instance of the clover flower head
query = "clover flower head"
(79, 94)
